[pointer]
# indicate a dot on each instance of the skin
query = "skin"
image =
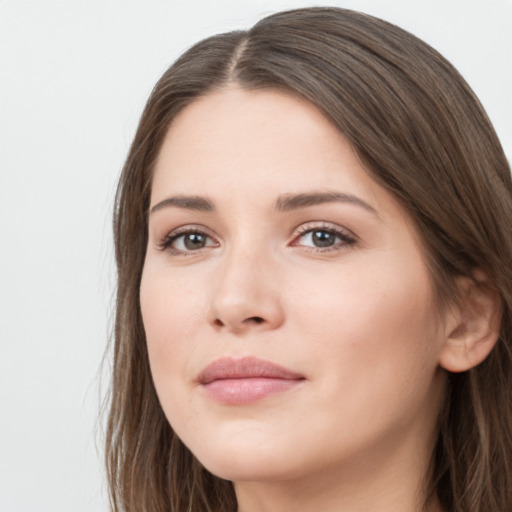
(356, 319)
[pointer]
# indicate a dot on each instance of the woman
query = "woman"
(313, 234)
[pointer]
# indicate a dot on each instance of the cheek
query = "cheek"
(373, 321)
(372, 351)
(171, 311)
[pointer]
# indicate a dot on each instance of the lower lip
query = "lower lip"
(246, 391)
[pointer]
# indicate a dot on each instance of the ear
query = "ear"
(473, 326)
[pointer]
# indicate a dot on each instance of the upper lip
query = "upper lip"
(245, 367)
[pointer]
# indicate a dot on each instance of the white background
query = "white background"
(74, 77)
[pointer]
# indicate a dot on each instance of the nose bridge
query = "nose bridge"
(246, 292)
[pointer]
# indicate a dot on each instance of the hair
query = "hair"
(422, 134)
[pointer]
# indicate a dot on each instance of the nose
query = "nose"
(246, 294)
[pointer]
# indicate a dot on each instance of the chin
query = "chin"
(248, 458)
(248, 468)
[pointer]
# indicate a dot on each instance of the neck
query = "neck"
(288, 498)
(392, 482)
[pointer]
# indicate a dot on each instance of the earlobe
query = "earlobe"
(473, 326)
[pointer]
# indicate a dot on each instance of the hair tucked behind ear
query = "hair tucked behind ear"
(424, 136)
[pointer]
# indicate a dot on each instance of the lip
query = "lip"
(240, 381)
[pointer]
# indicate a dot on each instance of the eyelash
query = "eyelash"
(346, 237)
(166, 243)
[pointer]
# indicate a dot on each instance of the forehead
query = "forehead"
(263, 141)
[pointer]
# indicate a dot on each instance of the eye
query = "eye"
(323, 238)
(187, 241)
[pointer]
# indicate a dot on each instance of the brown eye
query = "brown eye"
(187, 241)
(323, 238)
(193, 241)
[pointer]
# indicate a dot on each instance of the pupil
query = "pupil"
(194, 241)
(323, 238)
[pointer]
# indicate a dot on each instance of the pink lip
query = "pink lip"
(242, 381)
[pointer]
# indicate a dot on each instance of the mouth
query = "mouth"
(245, 380)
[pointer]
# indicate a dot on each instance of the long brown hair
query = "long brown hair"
(423, 135)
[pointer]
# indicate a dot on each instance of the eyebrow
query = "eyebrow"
(289, 202)
(286, 202)
(196, 203)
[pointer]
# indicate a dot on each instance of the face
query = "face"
(288, 309)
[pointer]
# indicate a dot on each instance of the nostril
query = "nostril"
(218, 323)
